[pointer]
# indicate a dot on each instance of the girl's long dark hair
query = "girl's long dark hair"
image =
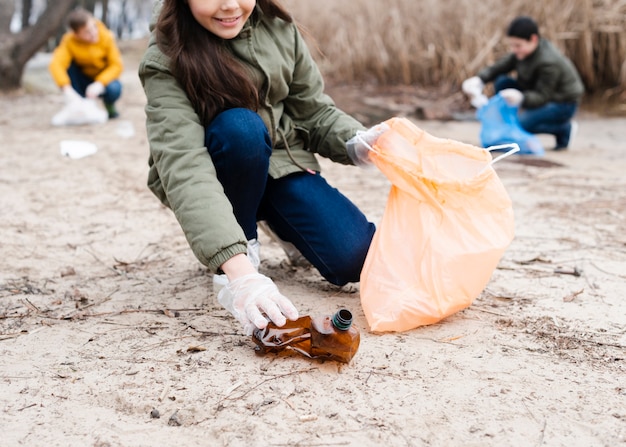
(210, 75)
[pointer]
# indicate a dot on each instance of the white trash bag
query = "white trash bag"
(78, 110)
(76, 149)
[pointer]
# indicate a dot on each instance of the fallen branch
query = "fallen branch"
(574, 271)
(129, 311)
(487, 311)
(569, 298)
(72, 314)
(592, 342)
(27, 406)
(31, 306)
(11, 336)
(279, 376)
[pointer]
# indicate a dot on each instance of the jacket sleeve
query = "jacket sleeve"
(329, 128)
(60, 62)
(114, 65)
(504, 65)
(185, 169)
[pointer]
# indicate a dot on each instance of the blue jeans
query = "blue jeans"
(553, 118)
(80, 81)
(302, 208)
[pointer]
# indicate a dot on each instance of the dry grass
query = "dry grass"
(441, 42)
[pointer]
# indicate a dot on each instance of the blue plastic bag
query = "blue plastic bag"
(500, 125)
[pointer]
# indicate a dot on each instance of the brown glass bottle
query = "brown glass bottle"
(326, 337)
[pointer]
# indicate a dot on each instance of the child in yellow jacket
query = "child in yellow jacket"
(88, 60)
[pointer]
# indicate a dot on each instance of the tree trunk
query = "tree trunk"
(27, 7)
(17, 49)
(105, 10)
(89, 5)
(122, 21)
(7, 9)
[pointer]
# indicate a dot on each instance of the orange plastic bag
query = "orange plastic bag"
(447, 222)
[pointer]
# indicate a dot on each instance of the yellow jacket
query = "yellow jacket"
(100, 61)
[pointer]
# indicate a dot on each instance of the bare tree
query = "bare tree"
(105, 10)
(17, 48)
(27, 7)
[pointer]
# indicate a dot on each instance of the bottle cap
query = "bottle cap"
(342, 319)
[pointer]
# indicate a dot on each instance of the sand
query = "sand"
(110, 333)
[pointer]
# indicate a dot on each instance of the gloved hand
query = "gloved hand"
(70, 94)
(512, 96)
(473, 87)
(249, 296)
(359, 146)
(479, 101)
(94, 90)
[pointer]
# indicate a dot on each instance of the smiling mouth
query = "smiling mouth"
(229, 20)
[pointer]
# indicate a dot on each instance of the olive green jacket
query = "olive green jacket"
(294, 108)
(544, 76)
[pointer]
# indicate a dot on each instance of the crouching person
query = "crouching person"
(88, 60)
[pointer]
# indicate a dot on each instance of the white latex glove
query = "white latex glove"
(249, 297)
(479, 101)
(360, 145)
(70, 94)
(94, 90)
(473, 86)
(512, 96)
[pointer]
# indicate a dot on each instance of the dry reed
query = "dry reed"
(441, 42)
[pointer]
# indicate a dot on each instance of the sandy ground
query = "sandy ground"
(107, 317)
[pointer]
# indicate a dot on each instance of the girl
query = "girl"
(235, 112)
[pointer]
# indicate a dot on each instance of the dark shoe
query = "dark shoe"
(573, 130)
(112, 111)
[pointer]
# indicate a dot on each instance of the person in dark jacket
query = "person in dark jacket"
(547, 86)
